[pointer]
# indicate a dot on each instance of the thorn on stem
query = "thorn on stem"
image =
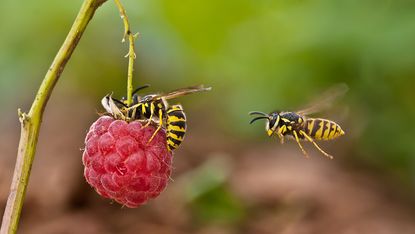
(128, 54)
(20, 113)
(22, 116)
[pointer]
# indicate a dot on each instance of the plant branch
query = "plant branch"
(30, 123)
(131, 54)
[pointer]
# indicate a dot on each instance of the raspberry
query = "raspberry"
(121, 165)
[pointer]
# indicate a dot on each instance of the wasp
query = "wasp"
(301, 127)
(155, 108)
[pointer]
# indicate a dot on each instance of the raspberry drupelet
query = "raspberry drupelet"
(122, 165)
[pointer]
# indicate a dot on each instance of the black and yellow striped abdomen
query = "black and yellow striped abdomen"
(322, 129)
(176, 126)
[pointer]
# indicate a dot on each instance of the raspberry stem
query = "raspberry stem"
(30, 123)
(131, 53)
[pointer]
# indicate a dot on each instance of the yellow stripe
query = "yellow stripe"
(334, 131)
(173, 118)
(339, 132)
(176, 128)
(176, 137)
(172, 144)
(174, 108)
(319, 131)
(327, 131)
(179, 131)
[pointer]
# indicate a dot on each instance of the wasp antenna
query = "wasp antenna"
(140, 88)
(255, 119)
(258, 113)
(119, 102)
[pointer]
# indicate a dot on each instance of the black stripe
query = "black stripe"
(315, 128)
(177, 133)
(181, 124)
(177, 142)
(178, 114)
(172, 147)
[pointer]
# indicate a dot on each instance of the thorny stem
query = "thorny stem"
(131, 54)
(30, 122)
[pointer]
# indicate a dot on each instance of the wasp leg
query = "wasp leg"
(315, 144)
(152, 107)
(299, 144)
(281, 132)
(133, 110)
(159, 127)
(281, 138)
(133, 113)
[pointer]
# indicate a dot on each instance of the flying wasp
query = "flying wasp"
(300, 127)
(155, 108)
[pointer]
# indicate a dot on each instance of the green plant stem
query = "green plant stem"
(30, 123)
(131, 53)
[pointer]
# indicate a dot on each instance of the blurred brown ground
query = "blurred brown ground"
(280, 190)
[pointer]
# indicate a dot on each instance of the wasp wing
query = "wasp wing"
(325, 100)
(185, 91)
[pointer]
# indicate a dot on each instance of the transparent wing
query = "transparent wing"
(185, 91)
(325, 100)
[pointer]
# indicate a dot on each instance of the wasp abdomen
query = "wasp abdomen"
(176, 126)
(322, 129)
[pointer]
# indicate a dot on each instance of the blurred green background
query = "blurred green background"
(257, 55)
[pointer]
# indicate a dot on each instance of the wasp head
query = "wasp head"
(271, 120)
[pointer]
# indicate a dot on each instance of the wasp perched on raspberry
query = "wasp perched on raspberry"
(300, 127)
(155, 108)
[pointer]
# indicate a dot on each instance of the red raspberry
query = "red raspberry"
(121, 165)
